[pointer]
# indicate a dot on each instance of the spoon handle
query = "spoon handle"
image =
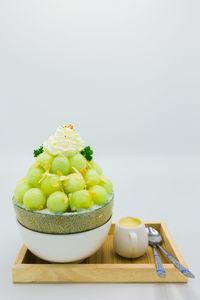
(159, 267)
(180, 267)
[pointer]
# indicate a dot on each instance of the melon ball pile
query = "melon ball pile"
(63, 183)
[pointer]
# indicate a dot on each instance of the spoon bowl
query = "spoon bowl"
(154, 237)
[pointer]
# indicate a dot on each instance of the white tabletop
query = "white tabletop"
(152, 188)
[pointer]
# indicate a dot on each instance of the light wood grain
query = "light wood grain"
(169, 240)
(21, 255)
(104, 266)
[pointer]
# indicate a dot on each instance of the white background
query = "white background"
(126, 74)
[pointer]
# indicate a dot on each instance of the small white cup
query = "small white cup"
(130, 242)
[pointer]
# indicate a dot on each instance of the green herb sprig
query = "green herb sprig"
(38, 151)
(87, 153)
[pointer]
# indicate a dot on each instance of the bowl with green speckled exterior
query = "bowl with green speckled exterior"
(69, 222)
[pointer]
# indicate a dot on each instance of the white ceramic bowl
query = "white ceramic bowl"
(67, 248)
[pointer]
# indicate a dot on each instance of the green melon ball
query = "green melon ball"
(57, 202)
(107, 184)
(34, 175)
(99, 194)
(44, 160)
(75, 182)
(34, 199)
(62, 164)
(78, 162)
(92, 177)
(80, 200)
(51, 184)
(21, 188)
(96, 166)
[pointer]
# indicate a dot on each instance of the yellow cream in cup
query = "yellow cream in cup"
(129, 222)
(130, 237)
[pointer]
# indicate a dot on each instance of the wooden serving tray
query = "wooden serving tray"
(103, 266)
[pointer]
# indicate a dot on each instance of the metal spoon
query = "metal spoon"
(153, 243)
(155, 239)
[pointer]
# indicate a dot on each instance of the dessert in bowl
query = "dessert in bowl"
(64, 203)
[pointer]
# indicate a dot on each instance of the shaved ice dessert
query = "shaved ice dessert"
(64, 177)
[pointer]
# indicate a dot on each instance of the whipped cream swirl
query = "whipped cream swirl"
(65, 141)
